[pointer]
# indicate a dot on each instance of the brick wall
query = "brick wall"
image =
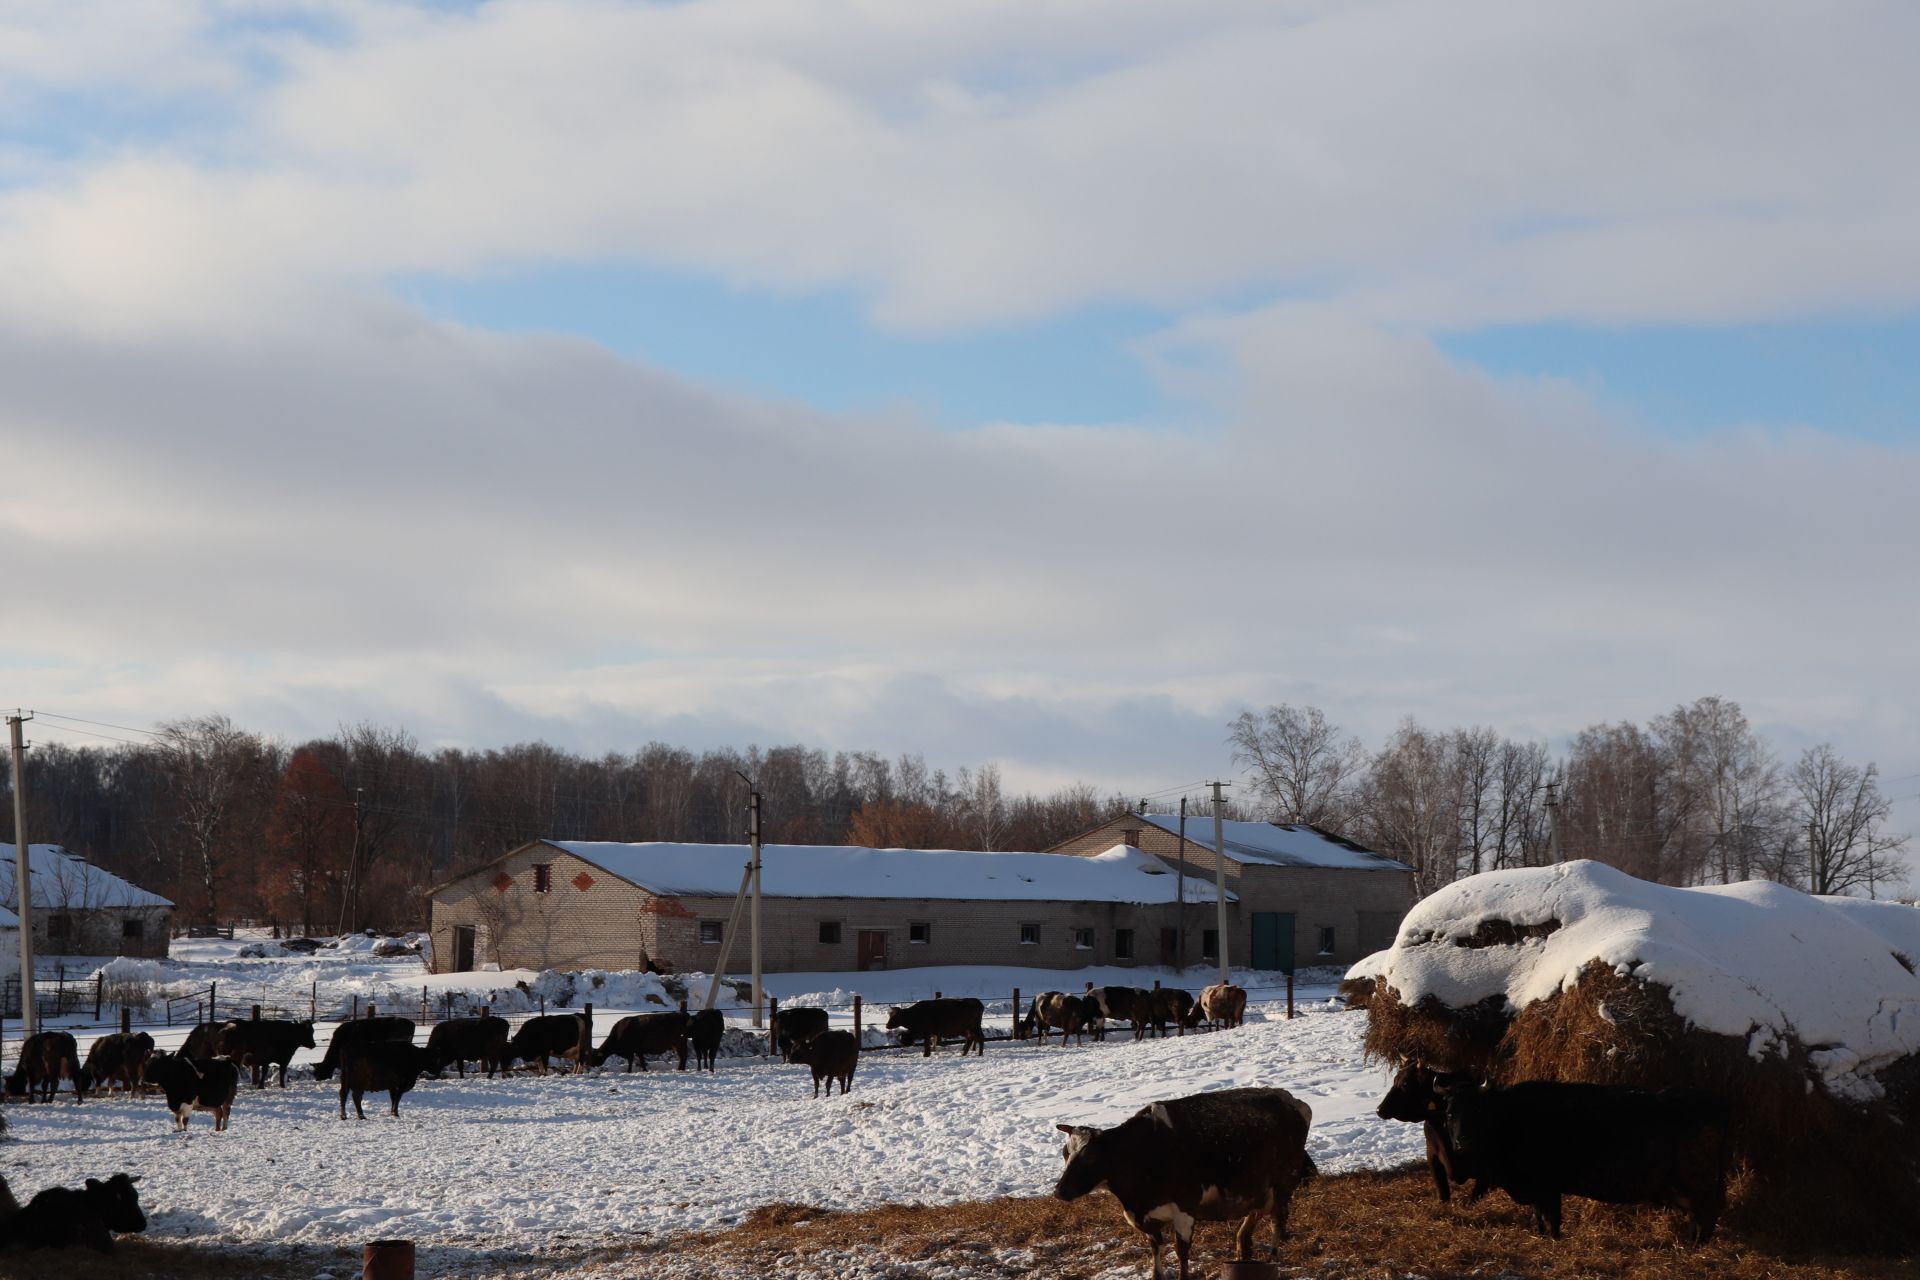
(586, 919)
(103, 931)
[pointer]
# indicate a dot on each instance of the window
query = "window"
(1131, 837)
(133, 928)
(919, 933)
(710, 930)
(1326, 940)
(1029, 935)
(1210, 944)
(543, 877)
(1083, 939)
(830, 933)
(58, 926)
(1123, 944)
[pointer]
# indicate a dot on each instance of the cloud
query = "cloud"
(966, 165)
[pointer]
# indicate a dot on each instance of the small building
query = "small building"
(1297, 895)
(83, 910)
(561, 904)
(9, 950)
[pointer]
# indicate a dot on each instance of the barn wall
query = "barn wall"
(103, 932)
(605, 925)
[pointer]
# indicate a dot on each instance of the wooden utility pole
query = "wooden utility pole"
(22, 858)
(1553, 821)
(350, 892)
(1180, 911)
(753, 834)
(1220, 876)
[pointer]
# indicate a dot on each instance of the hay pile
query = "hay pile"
(1804, 1012)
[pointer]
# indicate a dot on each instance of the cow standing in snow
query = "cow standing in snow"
(1052, 1010)
(1222, 1005)
(1235, 1153)
(928, 1020)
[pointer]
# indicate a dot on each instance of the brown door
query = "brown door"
(462, 948)
(873, 949)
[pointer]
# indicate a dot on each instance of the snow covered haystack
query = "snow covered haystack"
(1803, 1011)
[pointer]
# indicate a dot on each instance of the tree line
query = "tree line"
(1694, 796)
(351, 831)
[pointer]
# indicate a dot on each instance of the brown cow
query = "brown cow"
(121, 1056)
(1222, 1005)
(46, 1059)
(1057, 1009)
(833, 1056)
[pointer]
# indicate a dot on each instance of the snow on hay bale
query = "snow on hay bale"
(1803, 1011)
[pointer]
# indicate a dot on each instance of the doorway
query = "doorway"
(1273, 940)
(873, 949)
(462, 948)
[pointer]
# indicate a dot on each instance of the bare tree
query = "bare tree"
(216, 776)
(1726, 797)
(1844, 815)
(1303, 768)
(1411, 803)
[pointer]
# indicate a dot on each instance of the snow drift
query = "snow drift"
(1804, 1011)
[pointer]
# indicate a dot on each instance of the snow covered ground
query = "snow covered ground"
(568, 1161)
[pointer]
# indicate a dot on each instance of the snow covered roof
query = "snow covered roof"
(63, 882)
(1120, 874)
(1756, 960)
(1280, 845)
(8, 920)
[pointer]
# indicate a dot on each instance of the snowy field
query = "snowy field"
(570, 1161)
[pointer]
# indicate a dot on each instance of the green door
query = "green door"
(1273, 940)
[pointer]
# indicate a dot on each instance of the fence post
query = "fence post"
(486, 1011)
(936, 995)
(423, 1007)
(213, 1002)
(1017, 1033)
(773, 1025)
(586, 1036)
(1289, 997)
(856, 1019)
(313, 1002)
(126, 1020)
(543, 1006)
(369, 1008)
(256, 1013)
(199, 1015)
(99, 989)
(356, 1006)
(683, 1006)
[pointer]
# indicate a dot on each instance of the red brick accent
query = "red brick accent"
(583, 882)
(503, 882)
(666, 907)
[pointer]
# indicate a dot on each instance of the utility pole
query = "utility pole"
(753, 834)
(1553, 821)
(1220, 876)
(22, 857)
(1180, 912)
(350, 891)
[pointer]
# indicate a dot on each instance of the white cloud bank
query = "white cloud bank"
(241, 480)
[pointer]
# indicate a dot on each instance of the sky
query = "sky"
(1037, 382)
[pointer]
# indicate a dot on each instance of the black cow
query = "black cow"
(705, 1030)
(195, 1086)
(62, 1217)
(205, 1041)
(357, 1031)
(833, 1055)
(460, 1040)
(797, 1026)
(121, 1056)
(928, 1020)
(1056, 1009)
(1208, 1156)
(261, 1043)
(1415, 1098)
(381, 1065)
(552, 1035)
(47, 1058)
(641, 1035)
(1541, 1140)
(1121, 1004)
(1169, 1005)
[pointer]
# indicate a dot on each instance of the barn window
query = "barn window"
(1210, 944)
(919, 933)
(1083, 939)
(1131, 837)
(58, 926)
(543, 877)
(1123, 944)
(1029, 935)
(133, 928)
(710, 930)
(1326, 940)
(830, 932)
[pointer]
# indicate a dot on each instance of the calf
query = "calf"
(1122, 1004)
(705, 1030)
(1415, 1098)
(1056, 1009)
(552, 1035)
(1541, 1140)
(1222, 1004)
(797, 1026)
(359, 1031)
(641, 1035)
(195, 1086)
(380, 1065)
(62, 1217)
(928, 1020)
(47, 1058)
(121, 1056)
(833, 1056)
(261, 1043)
(1169, 1006)
(1209, 1156)
(460, 1040)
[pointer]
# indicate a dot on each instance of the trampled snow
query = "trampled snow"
(1755, 960)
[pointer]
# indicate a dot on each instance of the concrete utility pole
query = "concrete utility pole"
(1180, 912)
(22, 857)
(1553, 821)
(753, 834)
(350, 891)
(1220, 875)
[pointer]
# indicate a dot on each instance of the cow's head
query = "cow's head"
(896, 1018)
(82, 1081)
(116, 1202)
(1412, 1097)
(1085, 1169)
(305, 1028)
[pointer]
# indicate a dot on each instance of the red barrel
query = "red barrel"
(387, 1260)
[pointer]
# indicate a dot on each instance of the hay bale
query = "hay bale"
(1799, 1010)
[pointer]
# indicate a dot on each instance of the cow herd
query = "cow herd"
(1149, 1013)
